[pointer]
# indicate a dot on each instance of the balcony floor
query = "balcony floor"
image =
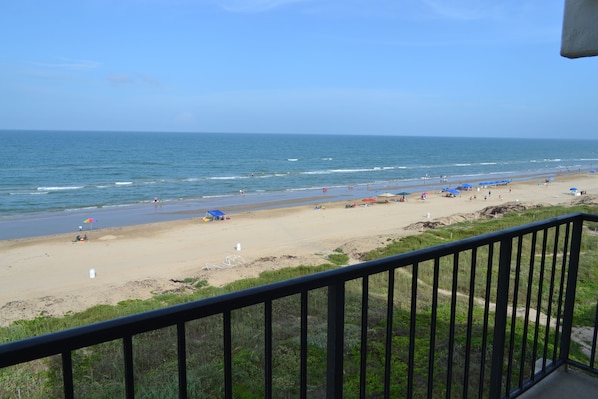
(564, 383)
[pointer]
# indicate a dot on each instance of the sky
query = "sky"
(481, 68)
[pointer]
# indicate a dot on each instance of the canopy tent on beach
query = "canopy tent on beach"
(214, 214)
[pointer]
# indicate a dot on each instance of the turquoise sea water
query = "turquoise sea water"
(51, 181)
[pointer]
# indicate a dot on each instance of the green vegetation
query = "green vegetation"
(98, 370)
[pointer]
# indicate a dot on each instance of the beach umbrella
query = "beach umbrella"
(386, 195)
(466, 185)
(593, 171)
(573, 189)
(369, 200)
(91, 221)
(453, 191)
(550, 179)
(403, 193)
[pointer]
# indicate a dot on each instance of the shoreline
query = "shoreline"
(57, 222)
(51, 275)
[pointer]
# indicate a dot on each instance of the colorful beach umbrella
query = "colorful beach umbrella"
(369, 200)
(91, 221)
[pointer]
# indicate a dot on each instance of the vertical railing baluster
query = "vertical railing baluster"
(594, 339)
(268, 349)
(571, 289)
(364, 335)
(528, 300)
(500, 318)
(335, 346)
(182, 359)
(451, 344)
(481, 391)
(129, 367)
(303, 353)
(514, 313)
(67, 375)
(433, 317)
(389, 315)
(559, 313)
(412, 326)
(470, 306)
(551, 293)
(539, 302)
(538, 307)
(228, 354)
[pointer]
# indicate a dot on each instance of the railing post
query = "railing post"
(571, 289)
(182, 359)
(335, 345)
(500, 318)
(129, 374)
(67, 375)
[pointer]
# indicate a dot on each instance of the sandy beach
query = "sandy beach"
(52, 275)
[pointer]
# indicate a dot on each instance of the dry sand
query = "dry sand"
(51, 275)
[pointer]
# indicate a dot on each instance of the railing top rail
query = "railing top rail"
(55, 343)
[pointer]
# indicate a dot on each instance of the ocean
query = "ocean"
(51, 181)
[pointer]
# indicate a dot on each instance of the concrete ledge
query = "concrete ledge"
(580, 29)
(564, 383)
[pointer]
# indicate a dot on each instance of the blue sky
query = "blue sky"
(386, 67)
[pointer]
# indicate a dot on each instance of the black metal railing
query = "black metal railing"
(488, 316)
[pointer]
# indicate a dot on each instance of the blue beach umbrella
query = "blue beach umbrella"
(573, 189)
(593, 171)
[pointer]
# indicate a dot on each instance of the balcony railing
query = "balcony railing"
(488, 316)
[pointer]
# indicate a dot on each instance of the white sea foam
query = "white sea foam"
(28, 193)
(59, 188)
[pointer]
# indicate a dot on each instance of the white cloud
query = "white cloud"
(254, 6)
(137, 80)
(464, 9)
(120, 79)
(71, 64)
(184, 118)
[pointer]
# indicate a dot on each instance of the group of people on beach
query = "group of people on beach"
(78, 238)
